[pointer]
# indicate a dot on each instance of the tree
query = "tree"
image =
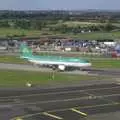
(108, 27)
(63, 28)
(24, 24)
(39, 24)
(4, 23)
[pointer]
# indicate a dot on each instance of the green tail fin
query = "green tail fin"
(25, 51)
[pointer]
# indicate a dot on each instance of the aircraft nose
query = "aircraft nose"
(89, 64)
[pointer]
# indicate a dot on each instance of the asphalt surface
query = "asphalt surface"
(58, 53)
(67, 103)
(21, 67)
(88, 71)
(95, 101)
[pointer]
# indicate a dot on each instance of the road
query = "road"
(67, 103)
(93, 56)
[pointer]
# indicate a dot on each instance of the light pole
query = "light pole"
(52, 75)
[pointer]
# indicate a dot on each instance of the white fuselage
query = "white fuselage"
(71, 64)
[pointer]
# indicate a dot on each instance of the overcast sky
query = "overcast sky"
(59, 4)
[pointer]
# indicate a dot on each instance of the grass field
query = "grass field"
(83, 24)
(98, 35)
(11, 31)
(112, 64)
(76, 23)
(12, 59)
(96, 63)
(20, 78)
(36, 33)
(94, 35)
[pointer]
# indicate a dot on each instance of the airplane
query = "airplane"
(55, 62)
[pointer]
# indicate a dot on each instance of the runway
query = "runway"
(21, 67)
(88, 71)
(67, 103)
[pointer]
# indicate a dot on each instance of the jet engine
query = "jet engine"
(61, 67)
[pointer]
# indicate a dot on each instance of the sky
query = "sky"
(59, 4)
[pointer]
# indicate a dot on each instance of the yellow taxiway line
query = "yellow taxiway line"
(53, 116)
(18, 118)
(77, 111)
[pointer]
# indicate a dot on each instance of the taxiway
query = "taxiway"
(67, 103)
